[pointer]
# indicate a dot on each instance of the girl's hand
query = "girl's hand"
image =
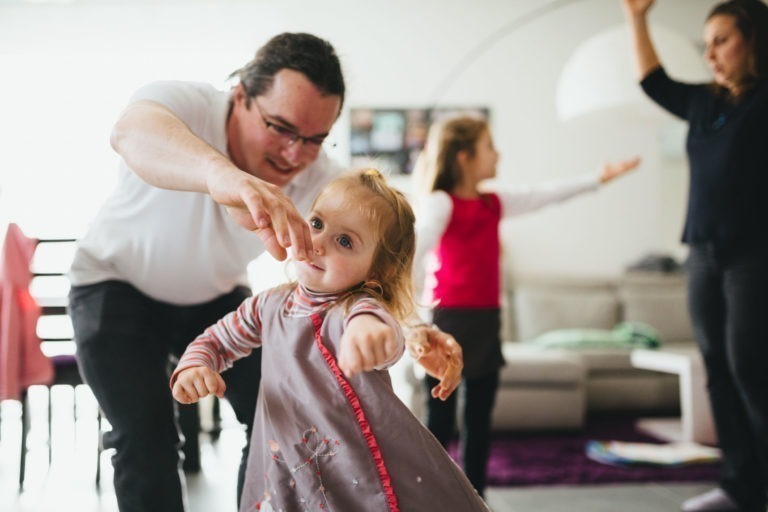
(197, 382)
(367, 342)
(636, 7)
(613, 170)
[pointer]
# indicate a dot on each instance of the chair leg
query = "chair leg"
(99, 447)
(50, 428)
(189, 421)
(24, 431)
(216, 413)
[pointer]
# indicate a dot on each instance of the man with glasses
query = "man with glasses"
(166, 255)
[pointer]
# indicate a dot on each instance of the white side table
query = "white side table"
(695, 424)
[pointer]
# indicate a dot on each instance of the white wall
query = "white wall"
(56, 158)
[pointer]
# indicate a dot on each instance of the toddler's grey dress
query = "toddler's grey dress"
(324, 443)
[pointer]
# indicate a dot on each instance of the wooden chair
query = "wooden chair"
(60, 347)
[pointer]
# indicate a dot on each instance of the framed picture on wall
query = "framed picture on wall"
(390, 139)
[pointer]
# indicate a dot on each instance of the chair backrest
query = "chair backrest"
(50, 288)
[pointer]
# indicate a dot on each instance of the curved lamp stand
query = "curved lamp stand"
(599, 74)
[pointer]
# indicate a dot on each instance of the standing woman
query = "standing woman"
(727, 148)
(460, 224)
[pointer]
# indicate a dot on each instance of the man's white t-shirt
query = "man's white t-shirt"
(180, 247)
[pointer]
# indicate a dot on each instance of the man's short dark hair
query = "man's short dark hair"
(310, 55)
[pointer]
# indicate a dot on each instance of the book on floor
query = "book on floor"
(620, 453)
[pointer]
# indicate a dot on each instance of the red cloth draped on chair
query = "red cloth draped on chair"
(22, 363)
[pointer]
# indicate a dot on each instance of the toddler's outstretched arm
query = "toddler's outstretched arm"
(197, 382)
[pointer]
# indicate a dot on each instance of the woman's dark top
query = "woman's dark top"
(727, 148)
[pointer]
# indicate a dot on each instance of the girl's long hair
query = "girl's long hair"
(437, 167)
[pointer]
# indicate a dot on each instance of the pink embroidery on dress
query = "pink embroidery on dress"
(318, 447)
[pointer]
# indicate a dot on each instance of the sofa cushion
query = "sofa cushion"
(541, 308)
(596, 360)
(527, 364)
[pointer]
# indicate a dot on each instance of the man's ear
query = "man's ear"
(240, 96)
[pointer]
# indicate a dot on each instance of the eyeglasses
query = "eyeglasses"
(288, 135)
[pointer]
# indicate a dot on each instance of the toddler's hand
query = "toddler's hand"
(367, 343)
(440, 355)
(195, 383)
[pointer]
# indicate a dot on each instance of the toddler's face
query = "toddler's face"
(344, 246)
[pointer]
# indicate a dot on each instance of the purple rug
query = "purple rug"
(527, 459)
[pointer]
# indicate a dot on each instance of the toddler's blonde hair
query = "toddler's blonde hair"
(392, 221)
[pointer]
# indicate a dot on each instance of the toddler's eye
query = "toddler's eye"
(344, 241)
(315, 223)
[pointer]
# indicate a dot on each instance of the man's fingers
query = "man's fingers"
(280, 234)
(281, 226)
(271, 244)
(242, 216)
(292, 231)
(272, 215)
(301, 241)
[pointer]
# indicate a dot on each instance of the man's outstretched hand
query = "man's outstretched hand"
(263, 208)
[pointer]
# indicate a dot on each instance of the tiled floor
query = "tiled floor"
(68, 485)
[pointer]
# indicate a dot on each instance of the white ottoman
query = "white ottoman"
(540, 390)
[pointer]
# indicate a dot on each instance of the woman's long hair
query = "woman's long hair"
(751, 19)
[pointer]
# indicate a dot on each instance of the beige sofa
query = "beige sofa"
(554, 388)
